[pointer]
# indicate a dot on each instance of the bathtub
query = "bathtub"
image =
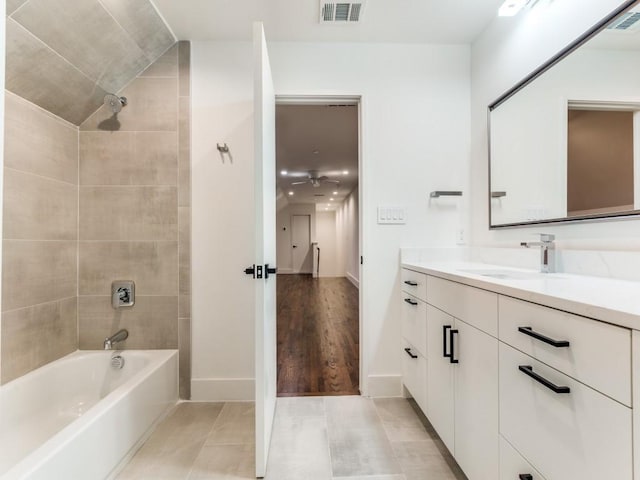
(78, 417)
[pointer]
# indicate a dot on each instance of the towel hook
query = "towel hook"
(224, 148)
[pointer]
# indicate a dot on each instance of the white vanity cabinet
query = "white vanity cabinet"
(519, 390)
(414, 335)
(462, 374)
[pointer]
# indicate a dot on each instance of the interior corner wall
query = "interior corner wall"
(328, 242)
(284, 257)
(505, 53)
(415, 126)
(347, 219)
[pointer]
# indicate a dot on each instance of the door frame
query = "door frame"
(349, 98)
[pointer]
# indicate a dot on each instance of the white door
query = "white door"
(265, 200)
(301, 243)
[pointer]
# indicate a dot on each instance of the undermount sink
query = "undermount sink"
(508, 274)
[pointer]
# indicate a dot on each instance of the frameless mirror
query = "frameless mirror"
(564, 144)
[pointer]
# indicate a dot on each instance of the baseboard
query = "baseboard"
(353, 280)
(384, 386)
(285, 271)
(222, 390)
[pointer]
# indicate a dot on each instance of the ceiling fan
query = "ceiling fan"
(315, 180)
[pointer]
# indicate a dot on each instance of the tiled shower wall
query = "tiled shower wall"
(135, 216)
(116, 207)
(40, 212)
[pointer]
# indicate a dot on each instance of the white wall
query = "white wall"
(348, 238)
(283, 232)
(508, 50)
(415, 139)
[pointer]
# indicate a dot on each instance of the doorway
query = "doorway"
(318, 248)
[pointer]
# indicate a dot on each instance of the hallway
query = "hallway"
(318, 336)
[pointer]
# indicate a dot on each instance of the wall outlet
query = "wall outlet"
(461, 237)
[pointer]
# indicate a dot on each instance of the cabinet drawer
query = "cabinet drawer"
(513, 466)
(471, 305)
(414, 283)
(577, 435)
(414, 374)
(598, 354)
(414, 322)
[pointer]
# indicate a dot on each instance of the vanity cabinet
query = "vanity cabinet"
(518, 390)
(462, 374)
(414, 335)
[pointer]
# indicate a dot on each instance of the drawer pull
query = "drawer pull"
(444, 341)
(525, 476)
(411, 282)
(408, 350)
(528, 370)
(452, 358)
(411, 302)
(538, 336)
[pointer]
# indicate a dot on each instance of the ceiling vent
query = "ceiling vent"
(341, 13)
(626, 22)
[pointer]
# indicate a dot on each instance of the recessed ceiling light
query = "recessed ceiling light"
(290, 193)
(283, 172)
(511, 7)
(345, 172)
(335, 193)
(316, 152)
(331, 199)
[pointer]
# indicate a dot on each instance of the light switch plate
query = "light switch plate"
(392, 215)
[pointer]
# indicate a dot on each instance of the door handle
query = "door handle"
(411, 302)
(408, 350)
(444, 341)
(295, 246)
(411, 282)
(452, 358)
(269, 270)
(525, 476)
(251, 270)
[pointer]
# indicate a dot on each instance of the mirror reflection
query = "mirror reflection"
(566, 146)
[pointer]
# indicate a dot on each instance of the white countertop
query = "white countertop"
(609, 300)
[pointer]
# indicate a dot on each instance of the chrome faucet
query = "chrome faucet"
(119, 336)
(547, 252)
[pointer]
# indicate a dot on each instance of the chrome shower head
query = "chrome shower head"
(114, 103)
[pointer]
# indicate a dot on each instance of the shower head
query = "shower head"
(114, 103)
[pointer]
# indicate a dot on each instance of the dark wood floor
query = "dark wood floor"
(317, 336)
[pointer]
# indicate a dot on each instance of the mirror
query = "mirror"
(564, 144)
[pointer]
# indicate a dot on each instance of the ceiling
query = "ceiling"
(317, 137)
(400, 21)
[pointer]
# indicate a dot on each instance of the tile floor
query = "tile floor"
(323, 438)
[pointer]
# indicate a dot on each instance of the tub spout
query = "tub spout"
(119, 336)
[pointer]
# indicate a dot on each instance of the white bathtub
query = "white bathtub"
(77, 418)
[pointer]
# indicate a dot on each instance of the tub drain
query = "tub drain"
(117, 362)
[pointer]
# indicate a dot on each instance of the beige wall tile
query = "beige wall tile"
(184, 68)
(185, 250)
(128, 213)
(88, 37)
(153, 106)
(185, 306)
(36, 272)
(184, 155)
(36, 208)
(38, 142)
(34, 336)
(142, 22)
(152, 265)
(184, 344)
(128, 158)
(165, 66)
(35, 72)
(152, 322)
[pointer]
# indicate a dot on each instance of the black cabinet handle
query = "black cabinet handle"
(408, 350)
(525, 476)
(411, 282)
(528, 370)
(538, 336)
(452, 358)
(444, 341)
(411, 302)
